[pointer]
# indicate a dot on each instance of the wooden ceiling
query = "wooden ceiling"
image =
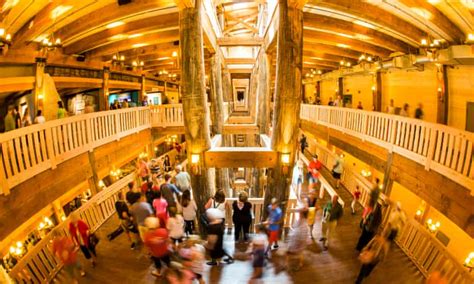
(148, 30)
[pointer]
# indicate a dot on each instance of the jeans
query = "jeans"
(189, 227)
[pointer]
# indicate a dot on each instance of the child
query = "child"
(193, 255)
(355, 198)
(259, 243)
(189, 212)
(273, 221)
(175, 226)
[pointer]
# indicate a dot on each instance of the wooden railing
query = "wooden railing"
(444, 149)
(167, 115)
(27, 151)
(423, 249)
(40, 265)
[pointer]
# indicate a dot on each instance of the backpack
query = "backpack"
(327, 213)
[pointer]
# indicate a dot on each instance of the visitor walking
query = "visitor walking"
(182, 179)
(167, 163)
(161, 208)
(81, 235)
(140, 210)
(175, 226)
(215, 236)
(217, 202)
(61, 110)
(274, 219)
(359, 106)
(313, 170)
(355, 198)
(9, 119)
(391, 107)
(169, 191)
(338, 168)
(39, 119)
(419, 114)
(298, 240)
(312, 207)
(374, 194)
(371, 255)
(332, 212)
(125, 220)
(63, 248)
(396, 221)
(189, 212)
(405, 110)
(303, 143)
(17, 118)
(26, 119)
(258, 246)
(369, 225)
(242, 216)
(156, 240)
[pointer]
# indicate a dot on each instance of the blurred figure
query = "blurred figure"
(338, 102)
(297, 177)
(313, 170)
(143, 170)
(39, 119)
(140, 210)
(189, 212)
(182, 179)
(369, 225)
(154, 168)
(405, 110)
(332, 212)
(10, 119)
(371, 255)
(215, 236)
(330, 103)
(80, 233)
(311, 203)
(157, 242)
(26, 119)
(217, 202)
(437, 277)
(175, 226)
(391, 107)
(355, 197)
(258, 246)
(89, 108)
(167, 164)
(125, 103)
(303, 143)
(419, 114)
(161, 208)
(298, 239)
(359, 105)
(374, 194)
(193, 255)
(17, 115)
(61, 110)
(242, 216)
(125, 220)
(396, 221)
(63, 248)
(274, 219)
(338, 168)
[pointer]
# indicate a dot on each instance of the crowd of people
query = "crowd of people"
(15, 120)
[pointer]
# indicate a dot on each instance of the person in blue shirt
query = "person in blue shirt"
(274, 219)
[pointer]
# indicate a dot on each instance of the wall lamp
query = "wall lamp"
(195, 167)
(285, 162)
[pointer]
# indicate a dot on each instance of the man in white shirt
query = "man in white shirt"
(182, 179)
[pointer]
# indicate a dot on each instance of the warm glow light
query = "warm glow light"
(40, 96)
(348, 64)
(343, 45)
(429, 221)
(364, 24)
(58, 41)
(373, 88)
(58, 11)
(341, 63)
(63, 218)
(118, 37)
(134, 63)
(122, 58)
(19, 244)
(114, 24)
(424, 42)
(369, 58)
(9, 4)
(418, 212)
(320, 72)
(438, 224)
(101, 183)
(195, 158)
(421, 12)
(434, 2)
(470, 37)
(174, 54)
(2, 32)
(285, 158)
(135, 35)
(137, 45)
(440, 89)
(12, 250)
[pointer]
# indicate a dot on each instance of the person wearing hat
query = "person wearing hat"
(157, 241)
(215, 237)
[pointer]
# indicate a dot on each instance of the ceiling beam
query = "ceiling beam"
(354, 31)
(239, 60)
(182, 4)
(253, 29)
(324, 56)
(332, 39)
(331, 49)
(322, 62)
(150, 51)
(239, 41)
(157, 38)
(140, 27)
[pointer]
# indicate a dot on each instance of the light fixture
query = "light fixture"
(366, 173)
(470, 39)
(118, 59)
(137, 45)
(374, 88)
(50, 43)
(285, 159)
(341, 45)
(432, 226)
(174, 54)
(469, 262)
(365, 58)
(195, 167)
(418, 212)
(114, 24)
(135, 35)
(101, 184)
(195, 158)
(5, 39)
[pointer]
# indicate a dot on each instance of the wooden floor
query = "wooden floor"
(117, 263)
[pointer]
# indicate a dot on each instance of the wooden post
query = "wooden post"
(263, 93)
(377, 93)
(104, 92)
(286, 108)
(142, 94)
(38, 96)
(443, 95)
(195, 110)
(340, 84)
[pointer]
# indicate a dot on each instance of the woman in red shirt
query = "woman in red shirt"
(80, 233)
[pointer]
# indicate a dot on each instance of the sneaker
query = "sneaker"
(213, 263)
(322, 239)
(275, 246)
(156, 273)
(229, 260)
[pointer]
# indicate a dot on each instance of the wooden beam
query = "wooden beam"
(323, 56)
(237, 157)
(331, 49)
(253, 29)
(240, 60)
(312, 36)
(141, 27)
(320, 61)
(182, 4)
(239, 41)
(355, 31)
(148, 52)
(110, 49)
(240, 129)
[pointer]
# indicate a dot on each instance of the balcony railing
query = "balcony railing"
(437, 147)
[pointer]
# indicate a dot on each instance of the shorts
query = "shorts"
(336, 175)
(258, 258)
(273, 236)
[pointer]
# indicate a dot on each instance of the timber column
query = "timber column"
(263, 93)
(193, 94)
(286, 110)
(38, 87)
(104, 92)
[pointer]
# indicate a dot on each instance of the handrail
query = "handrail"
(28, 151)
(423, 249)
(444, 149)
(40, 265)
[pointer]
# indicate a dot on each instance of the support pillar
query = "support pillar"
(443, 95)
(104, 92)
(142, 93)
(38, 95)
(340, 89)
(377, 92)
(195, 110)
(286, 108)
(263, 93)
